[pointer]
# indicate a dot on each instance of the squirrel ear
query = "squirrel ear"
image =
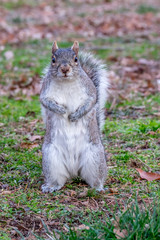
(75, 47)
(54, 47)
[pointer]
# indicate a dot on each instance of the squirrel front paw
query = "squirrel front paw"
(61, 110)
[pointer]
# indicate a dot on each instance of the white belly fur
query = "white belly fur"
(70, 138)
(69, 94)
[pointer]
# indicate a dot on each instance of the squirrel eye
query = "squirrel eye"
(76, 59)
(53, 60)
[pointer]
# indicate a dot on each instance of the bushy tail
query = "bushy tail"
(98, 73)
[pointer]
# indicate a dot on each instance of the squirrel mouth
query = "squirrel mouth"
(65, 75)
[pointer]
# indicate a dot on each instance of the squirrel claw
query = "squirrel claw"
(63, 110)
(72, 118)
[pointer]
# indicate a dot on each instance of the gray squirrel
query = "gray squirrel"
(73, 95)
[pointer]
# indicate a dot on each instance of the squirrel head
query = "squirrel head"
(64, 63)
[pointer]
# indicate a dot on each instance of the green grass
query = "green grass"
(131, 138)
(14, 110)
(124, 48)
(136, 222)
(129, 145)
(142, 9)
(130, 206)
(11, 5)
(31, 57)
(25, 58)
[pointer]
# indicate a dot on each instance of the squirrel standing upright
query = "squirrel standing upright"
(73, 95)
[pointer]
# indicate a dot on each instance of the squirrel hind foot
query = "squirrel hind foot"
(101, 189)
(46, 188)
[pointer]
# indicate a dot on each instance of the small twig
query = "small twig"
(25, 187)
(33, 228)
(113, 103)
(150, 169)
(50, 236)
(109, 196)
(95, 202)
(112, 166)
(21, 225)
(110, 202)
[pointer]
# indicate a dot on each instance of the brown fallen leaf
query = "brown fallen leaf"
(120, 234)
(71, 193)
(34, 137)
(5, 192)
(28, 145)
(33, 122)
(150, 176)
(113, 190)
(80, 227)
(151, 133)
(83, 194)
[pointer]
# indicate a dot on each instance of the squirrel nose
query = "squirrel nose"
(65, 68)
